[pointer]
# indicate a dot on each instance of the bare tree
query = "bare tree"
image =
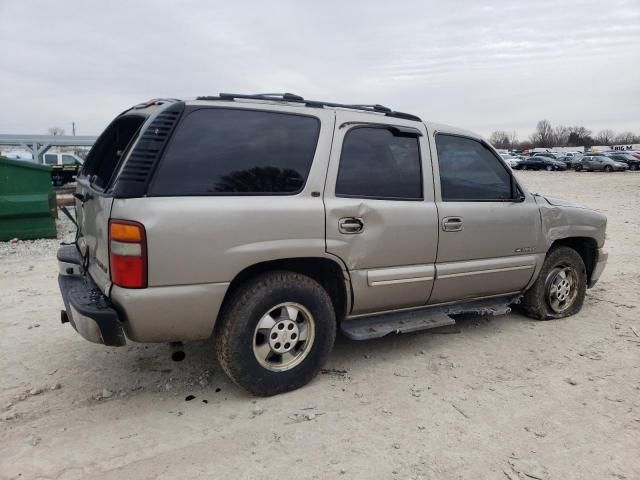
(543, 136)
(626, 138)
(605, 137)
(561, 134)
(513, 139)
(499, 139)
(56, 131)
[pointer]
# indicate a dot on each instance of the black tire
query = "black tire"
(608, 169)
(634, 166)
(236, 331)
(548, 168)
(536, 302)
(578, 168)
(523, 167)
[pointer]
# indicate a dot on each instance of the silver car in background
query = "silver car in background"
(600, 163)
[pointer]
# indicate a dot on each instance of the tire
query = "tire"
(608, 169)
(539, 301)
(523, 167)
(634, 166)
(240, 342)
(548, 168)
(578, 168)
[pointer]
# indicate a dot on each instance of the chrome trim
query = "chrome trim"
(400, 280)
(481, 272)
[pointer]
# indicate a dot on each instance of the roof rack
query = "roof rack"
(293, 98)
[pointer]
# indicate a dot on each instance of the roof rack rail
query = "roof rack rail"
(293, 98)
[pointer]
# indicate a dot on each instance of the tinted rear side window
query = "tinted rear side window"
(220, 151)
(376, 163)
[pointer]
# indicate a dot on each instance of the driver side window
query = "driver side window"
(469, 171)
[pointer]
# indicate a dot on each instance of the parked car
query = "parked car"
(632, 161)
(541, 162)
(592, 163)
(545, 154)
(572, 161)
(267, 222)
(65, 167)
(510, 160)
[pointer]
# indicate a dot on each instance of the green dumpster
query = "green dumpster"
(27, 201)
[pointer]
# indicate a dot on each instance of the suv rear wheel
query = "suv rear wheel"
(560, 288)
(276, 332)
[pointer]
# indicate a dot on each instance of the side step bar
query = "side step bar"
(379, 325)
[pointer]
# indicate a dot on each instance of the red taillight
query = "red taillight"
(127, 254)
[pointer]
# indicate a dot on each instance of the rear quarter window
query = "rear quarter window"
(222, 151)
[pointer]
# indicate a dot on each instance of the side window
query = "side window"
(68, 160)
(469, 171)
(222, 151)
(50, 159)
(380, 163)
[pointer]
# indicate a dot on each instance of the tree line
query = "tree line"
(547, 136)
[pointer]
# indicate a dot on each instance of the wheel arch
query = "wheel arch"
(327, 272)
(586, 247)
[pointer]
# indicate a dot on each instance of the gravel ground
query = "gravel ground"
(504, 397)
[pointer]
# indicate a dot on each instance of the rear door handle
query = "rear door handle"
(452, 224)
(350, 225)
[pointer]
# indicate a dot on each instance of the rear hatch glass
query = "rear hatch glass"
(93, 207)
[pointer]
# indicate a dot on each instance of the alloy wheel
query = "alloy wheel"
(561, 288)
(284, 337)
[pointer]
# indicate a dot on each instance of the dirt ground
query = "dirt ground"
(504, 397)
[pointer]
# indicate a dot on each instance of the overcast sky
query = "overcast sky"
(477, 65)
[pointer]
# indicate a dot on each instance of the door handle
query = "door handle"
(350, 225)
(452, 224)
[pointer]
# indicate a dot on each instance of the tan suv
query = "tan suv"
(269, 221)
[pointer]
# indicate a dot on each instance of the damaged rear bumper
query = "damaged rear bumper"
(88, 310)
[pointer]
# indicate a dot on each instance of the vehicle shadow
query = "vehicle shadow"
(140, 368)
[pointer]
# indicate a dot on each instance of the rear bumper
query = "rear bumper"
(87, 309)
(601, 262)
(154, 314)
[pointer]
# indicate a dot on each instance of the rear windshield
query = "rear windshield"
(221, 151)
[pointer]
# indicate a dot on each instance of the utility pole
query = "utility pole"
(73, 128)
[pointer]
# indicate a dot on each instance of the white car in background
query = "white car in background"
(510, 159)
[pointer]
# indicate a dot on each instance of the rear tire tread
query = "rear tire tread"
(235, 317)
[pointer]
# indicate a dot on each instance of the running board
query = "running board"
(405, 321)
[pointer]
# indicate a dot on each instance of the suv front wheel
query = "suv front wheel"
(275, 332)
(560, 288)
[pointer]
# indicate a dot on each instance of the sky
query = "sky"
(483, 66)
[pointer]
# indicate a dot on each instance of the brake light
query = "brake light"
(127, 254)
